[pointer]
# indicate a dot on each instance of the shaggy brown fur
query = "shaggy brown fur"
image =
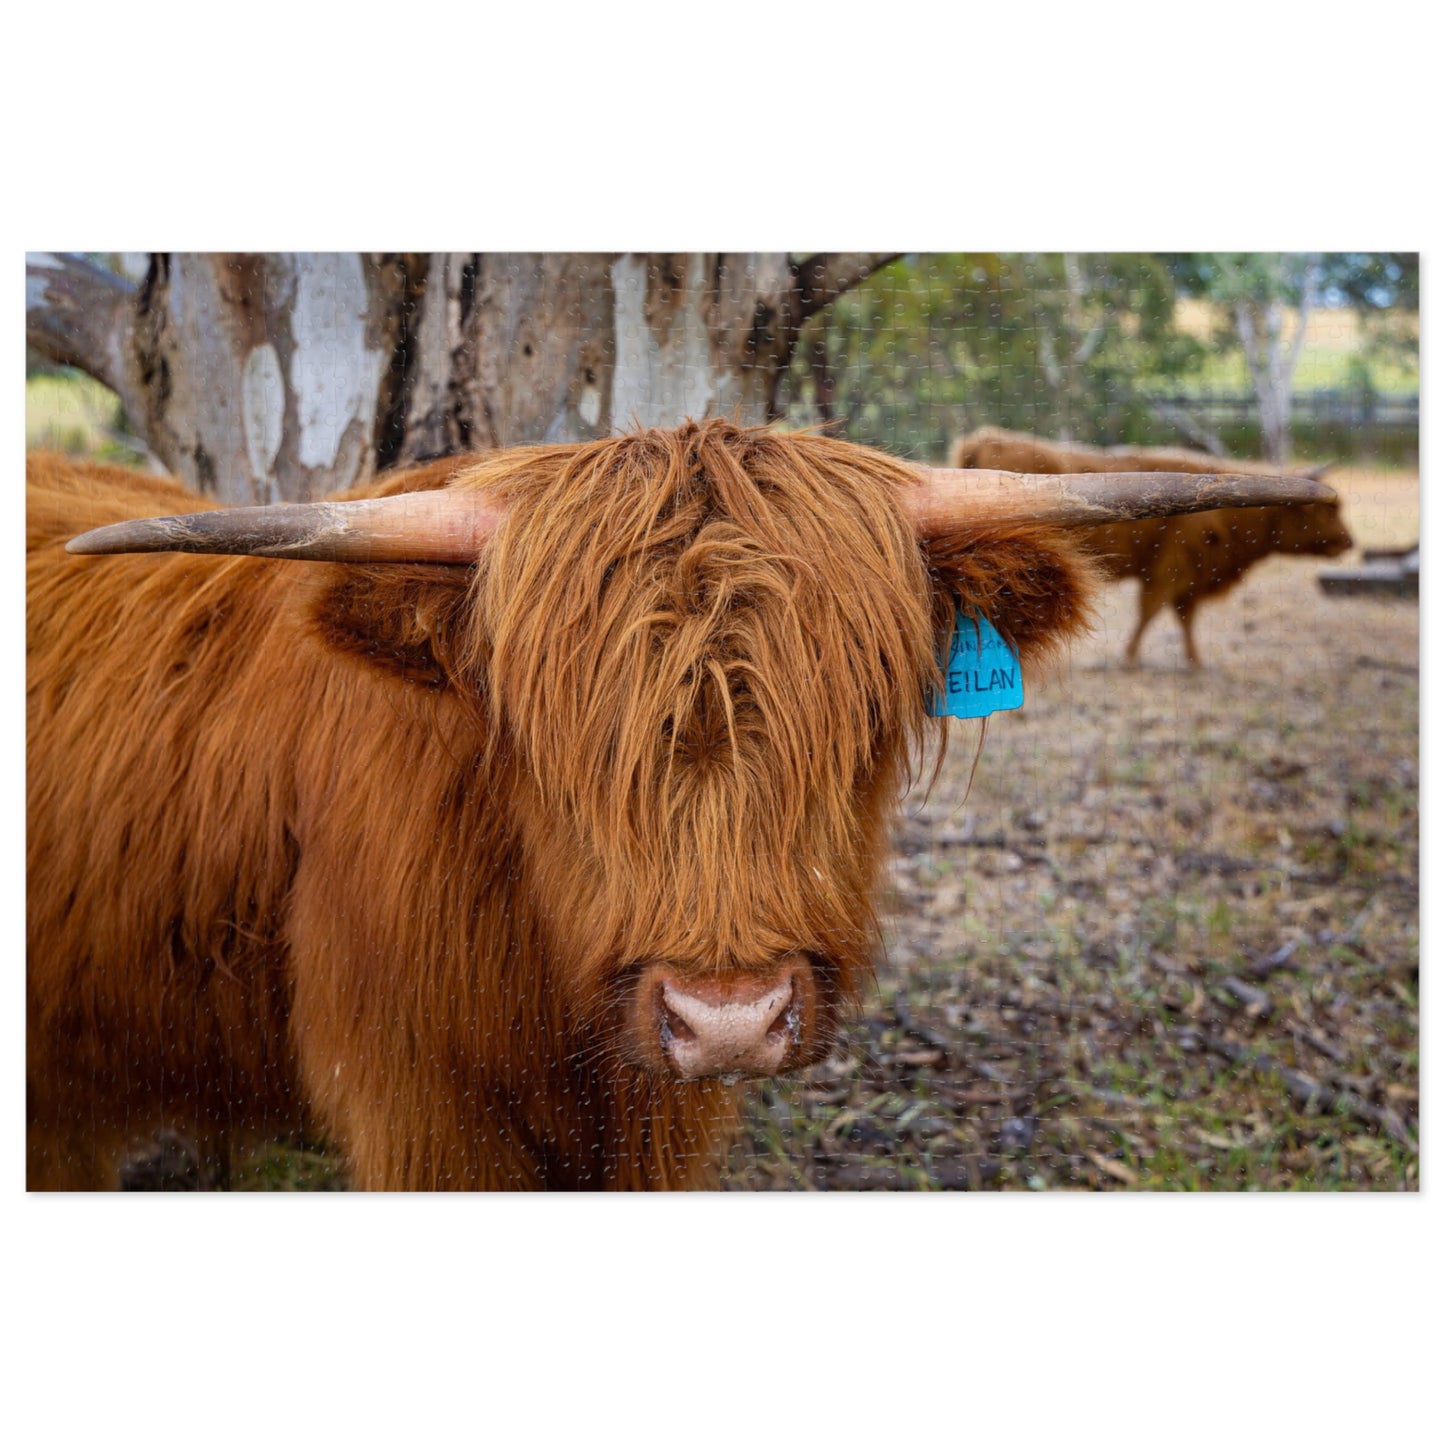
(1179, 561)
(379, 849)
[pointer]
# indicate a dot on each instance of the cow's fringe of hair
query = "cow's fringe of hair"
(706, 645)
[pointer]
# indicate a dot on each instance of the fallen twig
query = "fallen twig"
(1111, 1096)
(931, 1037)
(996, 1076)
(1320, 1044)
(1280, 958)
(1114, 1169)
(1216, 863)
(1257, 1004)
(945, 1174)
(1383, 664)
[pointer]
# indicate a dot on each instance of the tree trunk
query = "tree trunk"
(1067, 341)
(1272, 365)
(267, 377)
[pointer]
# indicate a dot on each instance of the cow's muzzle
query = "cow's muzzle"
(732, 1024)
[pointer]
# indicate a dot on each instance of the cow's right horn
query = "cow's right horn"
(438, 526)
(948, 497)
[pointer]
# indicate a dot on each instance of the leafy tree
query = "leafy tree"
(1264, 303)
(1383, 289)
(1372, 281)
(1058, 344)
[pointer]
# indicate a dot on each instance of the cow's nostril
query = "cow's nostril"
(672, 1027)
(788, 1026)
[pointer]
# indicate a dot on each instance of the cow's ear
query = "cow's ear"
(1034, 584)
(403, 620)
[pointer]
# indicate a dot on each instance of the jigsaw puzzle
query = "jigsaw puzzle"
(648, 721)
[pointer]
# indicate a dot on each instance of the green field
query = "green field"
(1323, 367)
(1335, 356)
(68, 412)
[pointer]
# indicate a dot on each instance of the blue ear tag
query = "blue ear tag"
(981, 672)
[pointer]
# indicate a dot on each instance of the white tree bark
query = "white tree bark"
(1272, 364)
(1063, 357)
(259, 378)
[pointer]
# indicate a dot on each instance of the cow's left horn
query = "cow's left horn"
(950, 497)
(438, 526)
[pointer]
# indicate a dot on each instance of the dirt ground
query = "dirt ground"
(1169, 938)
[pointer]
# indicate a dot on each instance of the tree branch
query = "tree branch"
(1090, 344)
(1244, 324)
(1194, 430)
(79, 315)
(1053, 373)
(826, 276)
(1310, 281)
(822, 378)
(1077, 292)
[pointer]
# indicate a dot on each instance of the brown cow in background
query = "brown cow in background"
(1179, 561)
(498, 874)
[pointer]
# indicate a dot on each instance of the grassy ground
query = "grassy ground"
(1170, 939)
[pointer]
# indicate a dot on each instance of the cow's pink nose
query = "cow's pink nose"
(737, 1024)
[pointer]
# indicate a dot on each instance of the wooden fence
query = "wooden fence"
(1383, 411)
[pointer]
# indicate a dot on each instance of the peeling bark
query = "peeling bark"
(266, 377)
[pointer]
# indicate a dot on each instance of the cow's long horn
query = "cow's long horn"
(437, 526)
(453, 526)
(949, 497)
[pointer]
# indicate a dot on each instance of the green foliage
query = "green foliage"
(1374, 280)
(1370, 282)
(1382, 288)
(934, 345)
(1227, 277)
(1076, 346)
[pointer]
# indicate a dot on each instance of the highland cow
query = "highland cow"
(1180, 561)
(497, 841)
